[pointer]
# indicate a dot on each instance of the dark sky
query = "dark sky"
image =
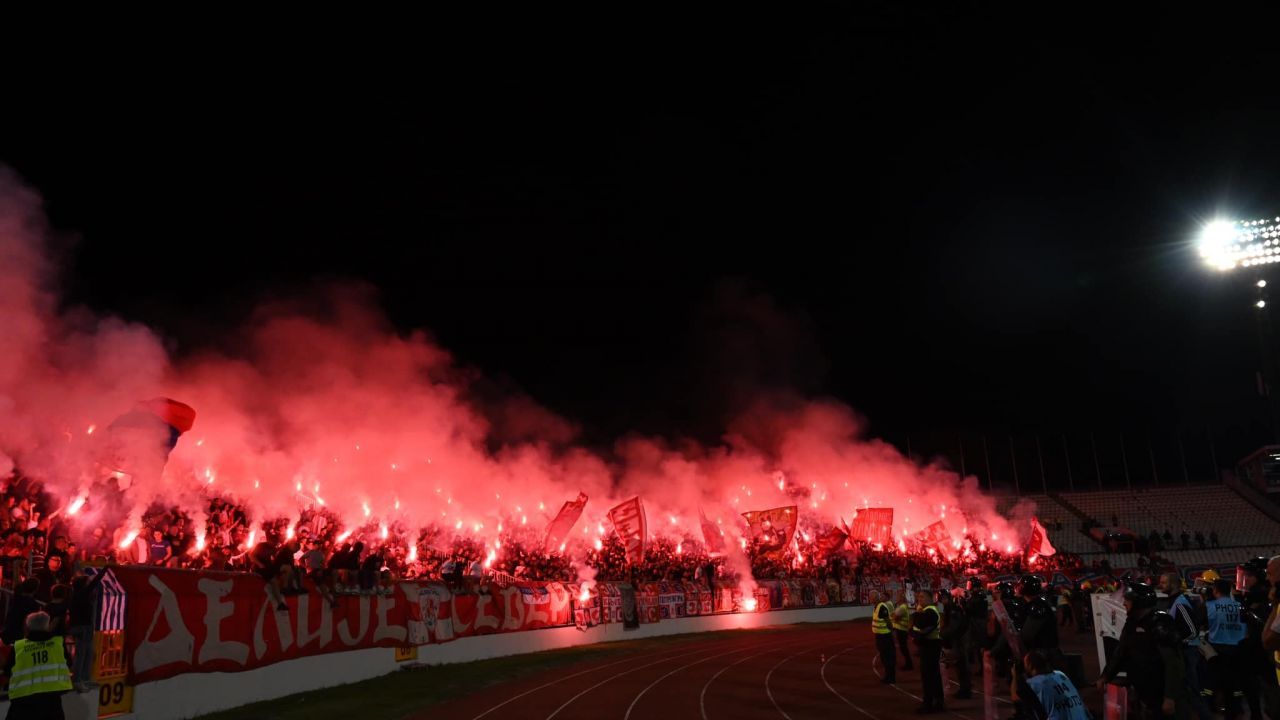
(951, 223)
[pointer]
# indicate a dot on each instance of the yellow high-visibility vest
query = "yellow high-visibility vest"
(878, 625)
(902, 617)
(39, 666)
(936, 633)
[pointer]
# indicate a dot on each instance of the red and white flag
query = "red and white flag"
(1039, 544)
(711, 534)
(773, 528)
(564, 521)
(832, 541)
(630, 526)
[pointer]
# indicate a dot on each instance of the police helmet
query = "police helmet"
(975, 584)
(1256, 566)
(1005, 588)
(1142, 595)
(1030, 586)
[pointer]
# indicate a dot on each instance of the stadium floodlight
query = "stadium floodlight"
(1262, 303)
(1229, 244)
(1262, 283)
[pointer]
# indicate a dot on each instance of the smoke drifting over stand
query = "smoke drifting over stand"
(319, 402)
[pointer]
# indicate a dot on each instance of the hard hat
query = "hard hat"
(1210, 575)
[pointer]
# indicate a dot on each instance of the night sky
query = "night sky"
(959, 229)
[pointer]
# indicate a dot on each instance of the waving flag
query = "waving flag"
(564, 521)
(1039, 544)
(630, 526)
(773, 528)
(874, 525)
(934, 536)
(832, 541)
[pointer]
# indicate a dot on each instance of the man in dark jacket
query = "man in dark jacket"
(24, 603)
(1148, 652)
(955, 637)
(80, 616)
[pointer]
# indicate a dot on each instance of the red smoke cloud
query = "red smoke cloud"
(330, 405)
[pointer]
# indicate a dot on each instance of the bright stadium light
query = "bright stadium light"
(1262, 283)
(1262, 303)
(1228, 244)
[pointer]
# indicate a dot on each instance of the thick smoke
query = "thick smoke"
(325, 404)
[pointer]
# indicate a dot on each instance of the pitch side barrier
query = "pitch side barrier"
(180, 643)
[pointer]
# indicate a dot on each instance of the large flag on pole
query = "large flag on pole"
(773, 528)
(630, 526)
(564, 521)
(1039, 544)
(874, 525)
(934, 536)
(711, 534)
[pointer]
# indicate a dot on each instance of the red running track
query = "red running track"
(801, 671)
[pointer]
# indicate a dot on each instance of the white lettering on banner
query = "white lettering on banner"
(176, 647)
(284, 629)
(215, 611)
(483, 617)
(344, 630)
(443, 598)
(383, 630)
(324, 633)
(514, 616)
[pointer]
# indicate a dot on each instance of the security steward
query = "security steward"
(926, 627)
(38, 673)
(881, 629)
(902, 626)
(1150, 654)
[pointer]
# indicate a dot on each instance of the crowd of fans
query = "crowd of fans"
(42, 547)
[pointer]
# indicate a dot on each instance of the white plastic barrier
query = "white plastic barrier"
(196, 694)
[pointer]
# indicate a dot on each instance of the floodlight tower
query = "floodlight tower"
(1254, 245)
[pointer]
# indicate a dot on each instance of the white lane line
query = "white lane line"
(904, 692)
(631, 658)
(702, 697)
(769, 676)
(618, 675)
(651, 685)
(823, 674)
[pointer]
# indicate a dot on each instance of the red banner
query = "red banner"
(773, 528)
(523, 606)
(182, 621)
(629, 524)
(875, 525)
(559, 528)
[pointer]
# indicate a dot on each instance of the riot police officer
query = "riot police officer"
(1148, 652)
(955, 638)
(1038, 631)
(1255, 663)
(1001, 646)
(975, 608)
